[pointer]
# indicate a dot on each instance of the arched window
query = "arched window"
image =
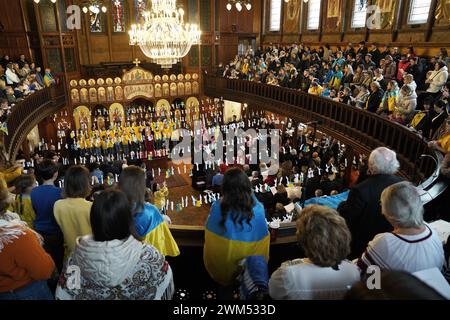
(313, 14)
(95, 18)
(359, 14)
(118, 15)
(140, 6)
(419, 11)
(275, 15)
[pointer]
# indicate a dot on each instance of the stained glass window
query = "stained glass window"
(140, 6)
(118, 15)
(96, 18)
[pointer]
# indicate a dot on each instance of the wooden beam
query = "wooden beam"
(431, 20)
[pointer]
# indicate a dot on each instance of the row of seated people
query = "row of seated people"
(391, 84)
(19, 79)
(115, 246)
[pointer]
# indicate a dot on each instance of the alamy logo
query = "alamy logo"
(373, 21)
(73, 277)
(208, 147)
(374, 279)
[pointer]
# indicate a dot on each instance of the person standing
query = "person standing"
(43, 199)
(236, 228)
(114, 264)
(362, 210)
(72, 212)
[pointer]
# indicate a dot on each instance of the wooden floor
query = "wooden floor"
(191, 216)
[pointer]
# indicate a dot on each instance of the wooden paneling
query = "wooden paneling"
(14, 38)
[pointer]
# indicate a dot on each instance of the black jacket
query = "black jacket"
(374, 100)
(362, 211)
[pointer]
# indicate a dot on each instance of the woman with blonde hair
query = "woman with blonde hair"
(324, 273)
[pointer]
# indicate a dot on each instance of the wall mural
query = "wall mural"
(82, 117)
(291, 22)
(387, 8)
(443, 12)
(116, 114)
(334, 16)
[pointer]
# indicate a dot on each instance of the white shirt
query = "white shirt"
(408, 253)
(300, 279)
(11, 77)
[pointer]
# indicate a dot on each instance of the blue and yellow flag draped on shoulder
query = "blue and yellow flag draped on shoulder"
(151, 227)
(225, 248)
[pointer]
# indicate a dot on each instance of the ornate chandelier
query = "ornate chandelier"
(163, 36)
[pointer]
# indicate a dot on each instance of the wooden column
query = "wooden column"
(431, 19)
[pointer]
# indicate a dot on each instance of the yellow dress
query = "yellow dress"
(159, 197)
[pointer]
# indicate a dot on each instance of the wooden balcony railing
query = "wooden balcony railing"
(28, 113)
(359, 128)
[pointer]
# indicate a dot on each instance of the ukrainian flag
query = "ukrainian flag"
(224, 249)
(151, 227)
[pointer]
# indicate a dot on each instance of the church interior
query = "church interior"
(224, 150)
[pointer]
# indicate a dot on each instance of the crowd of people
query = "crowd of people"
(66, 235)
(402, 86)
(18, 79)
(115, 239)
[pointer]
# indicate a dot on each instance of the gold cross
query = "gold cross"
(136, 62)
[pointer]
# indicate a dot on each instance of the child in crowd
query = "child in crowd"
(24, 184)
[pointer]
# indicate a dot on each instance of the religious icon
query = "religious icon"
(84, 95)
(165, 88)
(110, 94)
(158, 92)
(92, 82)
(73, 83)
(109, 81)
(173, 77)
(75, 96)
(180, 77)
(195, 87)
(293, 9)
(92, 95)
(101, 123)
(118, 16)
(195, 76)
(101, 94)
(187, 88)
(187, 76)
(83, 82)
(180, 88)
(119, 93)
(173, 89)
(443, 12)
(334, 7)
(117, 80)
(100, 81)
